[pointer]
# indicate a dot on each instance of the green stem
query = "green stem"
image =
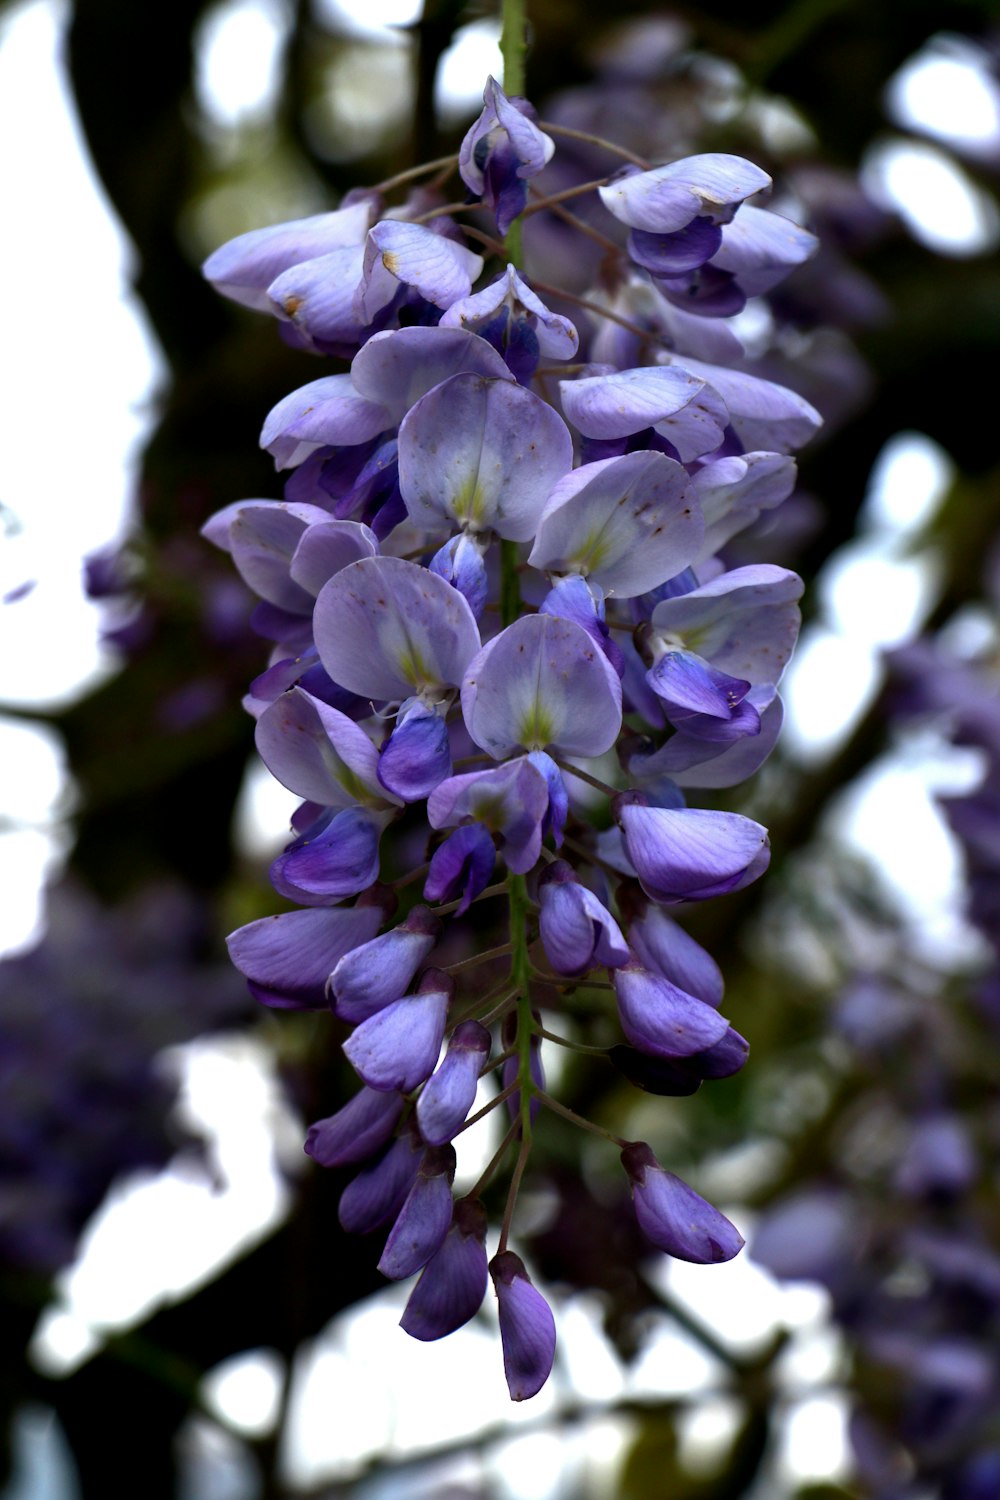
(513, 47)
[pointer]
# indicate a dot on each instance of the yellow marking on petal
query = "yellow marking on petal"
(391, 262)
(536, 729)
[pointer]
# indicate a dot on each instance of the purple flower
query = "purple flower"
(673, 1216)
(527, 1327)
(245, 267)
(424, 1219)
(511, 800)
(287, 959)
(691, 853)
(449, 1093)
(577, 932)
(461, 867)
(378, 1193)
(440, 270)
(376, 973)
(453, 1283)
(667, 199)
(398, 1046)
(661, 1019)
(500, 151)
(332, 859)
(355, 1132)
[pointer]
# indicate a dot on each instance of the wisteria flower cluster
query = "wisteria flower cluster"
(499, 613)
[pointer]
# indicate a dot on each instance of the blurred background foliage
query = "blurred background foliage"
(838, 1082)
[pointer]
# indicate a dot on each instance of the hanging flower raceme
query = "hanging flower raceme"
(480, 581)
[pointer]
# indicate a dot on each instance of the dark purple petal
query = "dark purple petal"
(662, 1020)
(453, 1284)
(424, 1219)
(461, 867)
(673, 1216)
(527, 1327)
(460, 561)
(671, 254)
(287, 959)
(449, 1093)
(691, 685)
(339, 861)
(376, 973)
(511, 301)
(663, 1076)
(378, 1193)
(417, 755)
(356, 1131)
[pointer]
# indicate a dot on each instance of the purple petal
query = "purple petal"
(325, 548)
(660, 1019)
(262, 537)
(762, 414)
(512, 800)
(690, 854)
(461, 867)
(339, 861)
(377, 1194)
(669, 197)
(760, 248)
(556, 336)
(689, 412)
(449, 1093)
(460, 562)
(541, 682)
(527, 1327)
(386, 629)
(660, 944)
(396, 368)
(744, 622)
(670, 254)
(697, 762)
(325, 411)
(317, 298)
(424, 1219)
(416, 756)
(318, 752)
(376, 973)
(244, 267)
(577, 932)
(453, 1283)
(673, 1216)
(484, 453)
(688, 683)
(287, 959)
(626, 523)
(441, 270)
(398, 1047)
(355, 1132)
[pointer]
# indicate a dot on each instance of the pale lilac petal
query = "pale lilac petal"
(542, 682)
(763, 415)
(317, 297)
(244, 267)
(667, 198)
(326, 411)
(626, 523)
(396, 368)
(760, 248)
(512, 800)
(387, 629)
(733, 491)
(318, 752)
(326, 547)
(287, 959)
(698, 763)
(744, 622)
(263, 536)
(484, 453)
(441, 270)
(686, 411)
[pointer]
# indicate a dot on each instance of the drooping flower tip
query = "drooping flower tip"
(527, 1327)
(673, 1216)
(500, 151)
